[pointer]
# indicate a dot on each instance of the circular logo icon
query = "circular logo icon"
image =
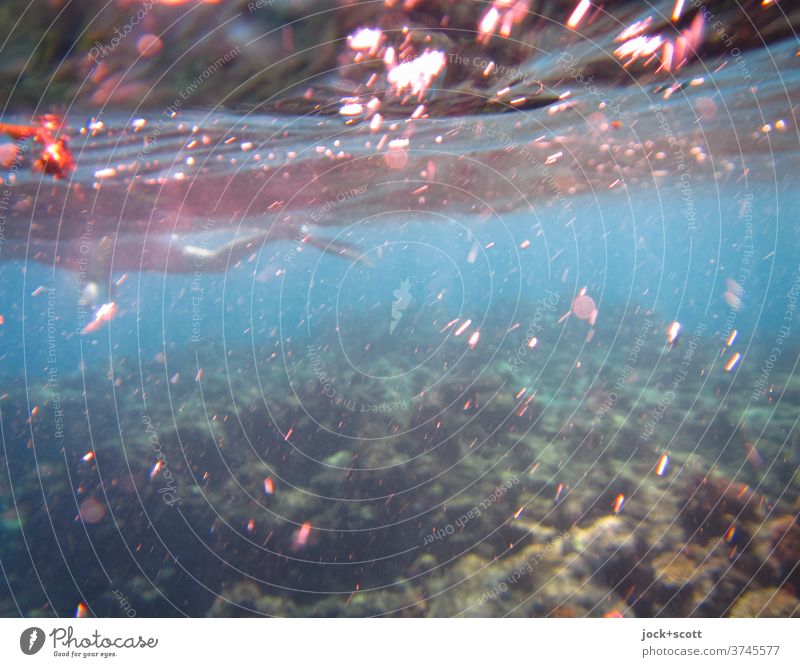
(31, 640)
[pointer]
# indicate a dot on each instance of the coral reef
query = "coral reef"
(274, 498)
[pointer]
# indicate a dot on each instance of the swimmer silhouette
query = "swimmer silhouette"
(96, 260)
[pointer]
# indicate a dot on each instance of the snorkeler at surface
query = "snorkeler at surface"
(167, 254)
(99, 259)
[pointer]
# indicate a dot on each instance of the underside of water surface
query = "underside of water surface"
(289, 330)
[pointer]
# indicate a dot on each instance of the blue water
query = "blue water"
(627, 254)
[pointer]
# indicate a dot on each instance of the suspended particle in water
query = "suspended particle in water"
(673, 333)
(366, 39)
(56, 160)
(472, 255)
(732, 362)
(753, 457)
(104, 313)
(351, 109)
(301, 536)
(463, 327)
(448, 325)
(662, 466)
(489, 21)
(733, 300)
(578, 13)
(418, 74)
(8, 155)
(733, 294)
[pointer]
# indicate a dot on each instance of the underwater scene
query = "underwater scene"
(414, 308)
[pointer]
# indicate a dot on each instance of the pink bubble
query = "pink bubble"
(91, 510)
(584, 307)
(396, 158)
(706, 108)
(149, 45)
